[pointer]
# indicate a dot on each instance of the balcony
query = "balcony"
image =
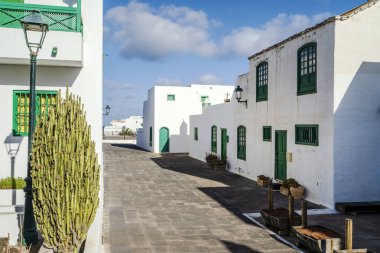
(65, 34)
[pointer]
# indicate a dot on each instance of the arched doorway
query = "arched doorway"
(164, 139)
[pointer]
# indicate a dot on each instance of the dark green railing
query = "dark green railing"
(67, 19)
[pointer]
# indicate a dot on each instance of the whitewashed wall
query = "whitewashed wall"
(158, 112)
(312, 166)
(85, 82)
(220, 115)
(357, 107)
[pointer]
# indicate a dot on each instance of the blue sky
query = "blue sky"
(179, 42)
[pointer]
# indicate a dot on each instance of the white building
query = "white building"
(167, 111)
(71, 56)
(313, 111)
(119, 125)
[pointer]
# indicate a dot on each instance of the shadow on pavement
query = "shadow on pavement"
(238, 248)
(129, 146)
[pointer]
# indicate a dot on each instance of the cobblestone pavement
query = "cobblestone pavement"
(156, 204)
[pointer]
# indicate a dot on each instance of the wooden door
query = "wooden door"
(280, 155)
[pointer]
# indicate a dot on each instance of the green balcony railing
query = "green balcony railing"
(67, 19)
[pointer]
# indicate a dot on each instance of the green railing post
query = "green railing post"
(79, 16)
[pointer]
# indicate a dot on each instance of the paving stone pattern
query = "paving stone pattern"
(161, 204)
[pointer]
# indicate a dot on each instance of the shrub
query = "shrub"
(290, 182)
(127, 132)
(12, 183)
(262, 177)
(214, 160)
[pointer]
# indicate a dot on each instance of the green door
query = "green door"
(280, 155)
(164, 140)
(224, 144)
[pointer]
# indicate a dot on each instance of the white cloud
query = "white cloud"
(168, 82)
(155, 33)
(210, 79)
(152, 34)
(248, 40)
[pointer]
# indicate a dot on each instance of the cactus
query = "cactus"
(65, 173)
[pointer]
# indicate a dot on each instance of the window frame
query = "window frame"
(170, 97)
(214, 139)
(241, 142)
(270, 133)
(15, 113)
(307, 83)
(303, 142)
(262, 95)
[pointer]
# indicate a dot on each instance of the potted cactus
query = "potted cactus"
(65, 172)
(291, 186)
(263, 180)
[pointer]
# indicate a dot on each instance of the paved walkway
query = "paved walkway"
(163, 204)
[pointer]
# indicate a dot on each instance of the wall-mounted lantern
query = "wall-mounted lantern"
(238, 96)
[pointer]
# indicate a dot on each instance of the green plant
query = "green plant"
(262, 177)
(127, 132)
(65, 173)
(214, 160)
(290, 182)
(12, 183)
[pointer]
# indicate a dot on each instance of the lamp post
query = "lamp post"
(35, 31)
(238, 95)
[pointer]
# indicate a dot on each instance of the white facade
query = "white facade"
(343, 167)
(162, 112)
(77, 64)
(117, 126)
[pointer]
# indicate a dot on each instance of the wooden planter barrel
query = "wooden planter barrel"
(318, 239)
(278, 218)
(263, 182)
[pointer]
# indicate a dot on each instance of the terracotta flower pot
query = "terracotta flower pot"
(284, 191)
(297, 192)
(263, 182)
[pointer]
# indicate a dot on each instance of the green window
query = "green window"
(262, 82)
(267, 133)
(196, 133)
(213, 139)
(241, 142)
(150, 136)
(44, 100)
(307, 135)
(307, 69)
(203, 99)
(171, 97)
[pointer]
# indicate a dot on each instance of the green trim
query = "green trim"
(307, 83)
(12, 1)
(16, 94)
(267, 133)
(59, 18)
(307, 134)
(170, 97)
(214, 139)
(196, 133)
(241, 142)
(262, 90)
(150, 136)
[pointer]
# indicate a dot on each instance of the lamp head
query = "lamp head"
(35, 29)
(238, 92)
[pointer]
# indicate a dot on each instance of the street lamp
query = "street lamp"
(107, 110)
(35, 31)
(238, 95)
